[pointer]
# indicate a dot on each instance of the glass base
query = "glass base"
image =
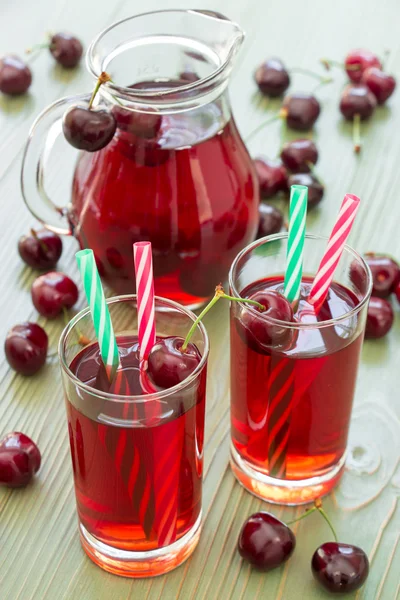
(140, 564)
(284, 491)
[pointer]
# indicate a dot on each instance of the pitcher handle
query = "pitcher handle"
(42, 135)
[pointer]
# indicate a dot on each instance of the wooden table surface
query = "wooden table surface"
(40, 554)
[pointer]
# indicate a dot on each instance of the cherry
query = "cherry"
(298, 155)
(315, 188)
(258, 331)
(15, 467)
(385, 274)
(142, 124)
(41, 249)
(300, 110)
(358, 61)
(265, 542)
(52, 292)
(272, 176)
(272, 78)
(26, 348)
(380, 318)
(66, 49)
(20, 441)
(88, 129)
(340, 568)
(357, 100)
(15, 76)
(379, 83)
(168, 365)
(271, 220)
(397, 292)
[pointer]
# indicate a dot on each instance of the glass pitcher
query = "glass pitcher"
(176, 171)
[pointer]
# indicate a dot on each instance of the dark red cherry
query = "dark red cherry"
(15, 468)
(142, 124)
(52, 292)
(358, 61)
(261, 333)
(380, 318)
(271, 220)
(385, 273)
(379, 83)
(26, 348)
(315, 188)
(357, 100)
(15, 76)
(20, 441)
(397, 292)
(272, 176)
(168, 365)
(340, 568)
(41, 249)
(265, 542)
(66, 49)
(88, 129)
(272, 78)
(301, 111)
(298, 155)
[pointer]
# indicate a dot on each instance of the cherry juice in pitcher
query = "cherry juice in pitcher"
(182, 181)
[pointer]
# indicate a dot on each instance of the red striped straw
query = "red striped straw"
(334, 249)
(164, 457)
(145, 299)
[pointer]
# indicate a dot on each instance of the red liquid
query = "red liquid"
(291, 408)
(138, 487)
(191, 191)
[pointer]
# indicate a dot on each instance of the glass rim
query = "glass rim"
(296, 325)
(142, 95)
(155, 396)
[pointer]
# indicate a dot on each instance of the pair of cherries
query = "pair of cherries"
(26, 344)
(16, 76)
(266, 543)
(385, 282)
(20, 459)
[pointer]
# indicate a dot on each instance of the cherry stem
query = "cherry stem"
(37, 47)
(318, 507)
(219, 293)
(41, 243)
(104, 77)
(83, 340)
(320, 78)
(356, 134)
(313, 171)
(327, 63)
(279, 115)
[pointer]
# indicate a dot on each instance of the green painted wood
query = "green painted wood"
(40, 555)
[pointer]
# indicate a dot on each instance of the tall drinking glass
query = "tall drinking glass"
(137, 459)
(293, 383)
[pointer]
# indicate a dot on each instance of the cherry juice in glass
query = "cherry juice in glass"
(137, 458)
(293, 383)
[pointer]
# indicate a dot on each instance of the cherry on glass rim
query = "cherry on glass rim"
(169, 365)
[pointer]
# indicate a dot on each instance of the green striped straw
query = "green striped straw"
(99, 310)
(297, 232)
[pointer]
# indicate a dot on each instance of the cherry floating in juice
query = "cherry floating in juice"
(291, 403)
(137, 479)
